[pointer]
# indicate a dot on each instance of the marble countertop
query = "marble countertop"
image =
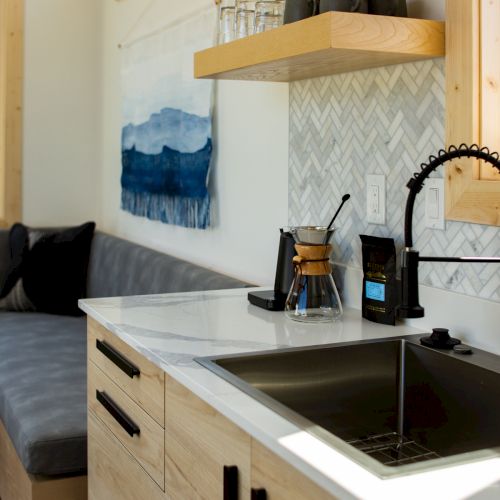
(172, 329)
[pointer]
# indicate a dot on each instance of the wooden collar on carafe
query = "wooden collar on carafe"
(313, 260)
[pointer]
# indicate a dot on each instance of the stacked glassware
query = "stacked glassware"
(242, 18)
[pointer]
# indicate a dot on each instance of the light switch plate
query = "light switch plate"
(375, 199)
(434, 204)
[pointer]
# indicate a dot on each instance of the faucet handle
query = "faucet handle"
(410, 306)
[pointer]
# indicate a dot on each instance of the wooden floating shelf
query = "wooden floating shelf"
(334, 42)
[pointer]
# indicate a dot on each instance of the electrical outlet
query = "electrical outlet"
(375, 199)
(434, 204)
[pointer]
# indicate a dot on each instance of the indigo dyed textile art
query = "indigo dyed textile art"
(167, 125)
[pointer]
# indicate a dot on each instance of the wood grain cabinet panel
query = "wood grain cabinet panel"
(147, 389)
(113, 472)
(190, 458)
(199, 442)
(147, 446)
(280, 480)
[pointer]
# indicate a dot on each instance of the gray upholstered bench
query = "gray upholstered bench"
(43, 414)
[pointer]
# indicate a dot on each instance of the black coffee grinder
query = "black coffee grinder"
(274, 300)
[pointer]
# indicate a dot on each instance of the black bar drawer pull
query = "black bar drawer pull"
(230, 482)
(117, 413)
(259, 494)
(118, 359)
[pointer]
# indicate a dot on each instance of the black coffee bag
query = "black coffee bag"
(379, 279)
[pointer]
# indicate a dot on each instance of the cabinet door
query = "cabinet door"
(279, 480)
(146, 444)
(472, 104)
(138, 377)
(112, 472)
(202, 449)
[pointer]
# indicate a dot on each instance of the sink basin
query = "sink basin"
(393, 406)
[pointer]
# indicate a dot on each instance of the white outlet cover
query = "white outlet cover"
(375, 199)
(434, 204)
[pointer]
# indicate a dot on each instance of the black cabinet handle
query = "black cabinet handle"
(117, 358)
(230, 482)
(117, 413)
(258, 494)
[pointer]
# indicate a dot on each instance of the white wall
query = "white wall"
(250, 175)
(61, 151)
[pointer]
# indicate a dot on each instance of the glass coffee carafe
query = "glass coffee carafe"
(313, 296)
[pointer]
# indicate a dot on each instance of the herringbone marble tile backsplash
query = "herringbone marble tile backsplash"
(382, 121)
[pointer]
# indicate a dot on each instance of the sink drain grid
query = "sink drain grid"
(392, 449)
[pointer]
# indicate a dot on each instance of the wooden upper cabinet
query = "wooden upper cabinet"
(473, 107)
(11, 85)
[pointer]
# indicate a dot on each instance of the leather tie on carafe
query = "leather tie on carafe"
(313, 260)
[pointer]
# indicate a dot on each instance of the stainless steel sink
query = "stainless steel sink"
(393, 406)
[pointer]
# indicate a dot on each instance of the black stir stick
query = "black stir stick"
(344, 199)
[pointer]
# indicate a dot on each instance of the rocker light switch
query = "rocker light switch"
(434, 203)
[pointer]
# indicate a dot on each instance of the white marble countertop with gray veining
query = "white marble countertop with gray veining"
(173, 329)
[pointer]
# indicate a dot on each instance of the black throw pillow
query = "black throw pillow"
(54, 272)
(18, 249)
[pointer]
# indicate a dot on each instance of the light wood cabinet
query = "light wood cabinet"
(472, 104)
(147, 445)
(113, 473)
(279, 480)
(119, 361)
(198, 455)
(199, 444)
(126, 408)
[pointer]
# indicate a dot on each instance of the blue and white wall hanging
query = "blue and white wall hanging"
(167, 125)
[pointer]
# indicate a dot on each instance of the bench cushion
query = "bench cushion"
(43, 357)
(43, 390)
(119, 268)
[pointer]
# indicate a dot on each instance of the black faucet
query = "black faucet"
(410, 307)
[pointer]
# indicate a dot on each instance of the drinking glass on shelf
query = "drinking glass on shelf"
(245, 23)
(269, 8)
(268, 15)
(245, 5)
(266, 23)
(226, 24)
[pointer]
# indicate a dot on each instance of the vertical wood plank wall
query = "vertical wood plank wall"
(490, 82)
(11, 99)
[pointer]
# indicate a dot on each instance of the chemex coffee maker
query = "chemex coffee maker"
(304, 286)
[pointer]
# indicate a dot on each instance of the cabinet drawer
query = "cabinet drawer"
(199, 443)
(143, 381)
(112, 472)
(280, 480)
(130, 424)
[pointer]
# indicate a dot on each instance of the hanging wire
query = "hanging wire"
(175, 22)
(137, 22)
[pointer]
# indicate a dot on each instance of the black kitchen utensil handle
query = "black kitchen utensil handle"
(258, 494)
(117, 413)
(230, 482)
(117, 358)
